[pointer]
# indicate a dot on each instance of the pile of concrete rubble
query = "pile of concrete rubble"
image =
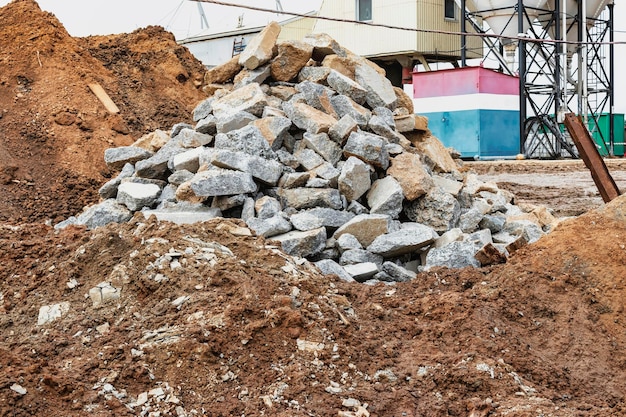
(312, 147)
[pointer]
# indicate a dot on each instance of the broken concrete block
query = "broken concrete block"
(190, 138)
(203, 109)
(358, 256)
(455, 255)
(531, 231)
(261, 48)
(264, 170)
(184, 213)
(234, 121)
(224, 73)
(431, 147)
(208, 125)
(294, 179)
(271, 226)
(291, 58)
(248, 139)
(362, 272)
(273, 130)
(450, 236)
(469, 221)
(303, 198)
(323, 45)
(367, 147)
(155, 140)
(157, 165)
(188, 160)
(248, 76)
(408, 170)
(385, 197)
(323, 146)
(49, 313)
(104, 293)
(354, 180)
(249, 98)
(109, 189)
(330, 267)
(136, 196)
(344, 105)
(320, 217)
(346, 242)
(303, 244)
(222, 182)
(266, 207)
(437, 209)
(397, 272)
(116, 158)
(309, 118)
(226, 202)
(101, 214)
(342, 129)
(314, 74)
(346, 86)
(493, 222)
(308, 158)
(380, 91)
(328, 172)
(409, 239)
(474, 186)
(448, 185)
(365, 227)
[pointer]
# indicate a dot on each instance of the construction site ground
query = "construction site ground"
(262, 333)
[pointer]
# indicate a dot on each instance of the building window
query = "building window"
(363, 10)
(449, 9)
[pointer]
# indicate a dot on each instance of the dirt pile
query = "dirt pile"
(53, 130)
(206, 322)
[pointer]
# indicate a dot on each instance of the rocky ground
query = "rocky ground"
(152, 318)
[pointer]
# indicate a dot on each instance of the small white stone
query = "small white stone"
(19, 389)
(142, 398)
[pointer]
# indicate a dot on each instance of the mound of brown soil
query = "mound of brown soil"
(53, 129)
(254, 332)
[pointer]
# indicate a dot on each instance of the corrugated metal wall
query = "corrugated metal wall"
(373, 41)
(296, 30)
(370, 41)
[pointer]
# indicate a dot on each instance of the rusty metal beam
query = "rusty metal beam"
(590, 155)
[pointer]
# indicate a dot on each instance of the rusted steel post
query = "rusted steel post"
(590, 155)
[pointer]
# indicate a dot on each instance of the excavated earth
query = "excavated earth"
(239, 328)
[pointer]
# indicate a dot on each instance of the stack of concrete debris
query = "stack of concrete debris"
(314, 148)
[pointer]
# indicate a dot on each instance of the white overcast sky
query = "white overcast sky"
(181, 17)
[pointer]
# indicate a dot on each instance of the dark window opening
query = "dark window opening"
(364, 10)
(449, 9)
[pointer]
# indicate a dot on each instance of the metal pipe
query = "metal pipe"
(521, 72)
(463, 37)
(611, 79)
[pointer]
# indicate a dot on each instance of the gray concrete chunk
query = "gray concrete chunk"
(320, 217)
(406, 240)
(342, 129)
(249, 98)
(357, 256)
(264, 170)
(303, 198)
(330, 267)
(271, 226)
(365, 227)
(116, 158)
(109, 189)
(222, 182)
(362, 272)
(397, 272)
(308, 118)
(345, 106)
(261, 48)
(190, 138)
(354, 180)
(379, 88)
(385, 197)
(248, 139)
(303, 244)
(136, 196)
(325, 147)
(208, 125)
(437, 209)
(344, 85)
(101, 214)
(367, 147)
(234, 121)
(454, 255)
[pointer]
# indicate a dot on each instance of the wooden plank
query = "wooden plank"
(104, 98)
(591, 157)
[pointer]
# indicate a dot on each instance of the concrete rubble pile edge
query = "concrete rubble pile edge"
(312, 147)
